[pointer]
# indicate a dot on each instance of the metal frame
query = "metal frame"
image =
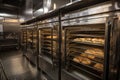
(107, 50)
(65, 9)
(28, 55)
(53, 69)
(108, 25)
(59, 45)
(68, 62)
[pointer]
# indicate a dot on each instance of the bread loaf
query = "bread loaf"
(76, 60)
(99, 66)
(96, 52)
(87, 56)
(82, 60)
(54, 37)
(90, 40)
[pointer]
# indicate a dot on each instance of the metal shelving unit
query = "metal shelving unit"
(9, 40)
(84, 52)
(48, 46)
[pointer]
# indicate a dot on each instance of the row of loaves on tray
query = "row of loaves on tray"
(87, 61)
(88, 55)
(54, 37)
(90, 40)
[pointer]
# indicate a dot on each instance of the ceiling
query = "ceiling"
(16, 7)
(10, 6)
(37, 4)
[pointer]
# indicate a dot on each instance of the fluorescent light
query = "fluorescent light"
(54, 6)
(7, 15)
(11, 20)
(40, 10)
(21, 19)
(4, 14)
(46, 9)
(29, 11)
(47, 5)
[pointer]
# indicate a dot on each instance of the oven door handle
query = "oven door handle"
(109, 34)
(108, 27)
(116, 37)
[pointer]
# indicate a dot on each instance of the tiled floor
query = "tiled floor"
(17, 67)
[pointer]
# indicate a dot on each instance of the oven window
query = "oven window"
(84, 49)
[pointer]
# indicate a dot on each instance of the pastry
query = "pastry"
(76, 60)
(54, 37)
(87, 56)
(86, 61)
(95, 51)
(99, 66)
(91, 40)
(91, 56)
(82, 60)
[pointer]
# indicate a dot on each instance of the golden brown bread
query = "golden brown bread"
(54, 37)
(76, 60)
(91, 56)
(86, 61)
(29, 40)
(82, 60)
(91, 40)
(96, 52)
(99, 66)
(87, 56)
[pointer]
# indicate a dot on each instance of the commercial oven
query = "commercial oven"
(48, 47)
(91, 42)
(31, 44)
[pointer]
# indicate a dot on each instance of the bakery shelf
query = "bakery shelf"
(85, 36)
(95, 60)
(79, 52)
(45, 48)
(50, 39)
(86, 30)
(86, 43)
(84, 47)
(87, 67)
(46, 45)
(46, 41)
(46, 51)
(47, 34)
(88, 70)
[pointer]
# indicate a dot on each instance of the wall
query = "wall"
(11, 25)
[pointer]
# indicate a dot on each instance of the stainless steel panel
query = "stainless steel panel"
(46, 65)
(99, 19)
(96, 9)
(37, 4)
(11, 25)
(69, 76)
(31, 57)
(58, 3)
(54, 4)
(27, 10)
